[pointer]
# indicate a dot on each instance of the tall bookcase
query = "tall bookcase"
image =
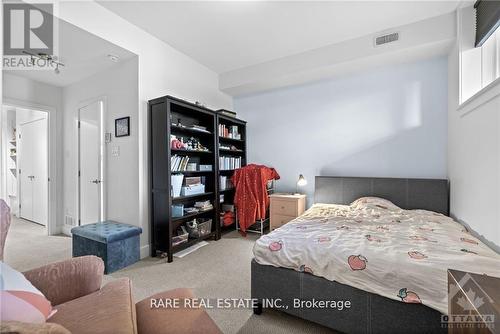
(169, 116)
(232, 146)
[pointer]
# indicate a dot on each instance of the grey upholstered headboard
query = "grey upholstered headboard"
(428, 194)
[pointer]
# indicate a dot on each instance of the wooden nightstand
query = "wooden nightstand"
(285, 207)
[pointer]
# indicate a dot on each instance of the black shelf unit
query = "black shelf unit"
(165, 115)
(241, 146)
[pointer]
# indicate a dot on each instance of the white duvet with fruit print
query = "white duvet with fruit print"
(399, 254)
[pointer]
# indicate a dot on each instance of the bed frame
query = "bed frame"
(369, 313)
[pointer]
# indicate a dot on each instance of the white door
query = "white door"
(91, 151)
(33, 163)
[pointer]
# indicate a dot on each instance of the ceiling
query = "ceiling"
(225, 36)
(82, 54)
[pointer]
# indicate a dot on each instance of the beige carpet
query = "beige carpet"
(28, 246)
(220, 269)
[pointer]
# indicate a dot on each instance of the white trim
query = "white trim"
(144, 251)
(485, 95)
(66, 230)
(52, 227)
(459, 49)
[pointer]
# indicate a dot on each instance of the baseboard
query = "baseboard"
(144, 251)
(57, 230)
(66, 230)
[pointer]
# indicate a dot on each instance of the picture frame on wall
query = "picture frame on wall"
(122, 127)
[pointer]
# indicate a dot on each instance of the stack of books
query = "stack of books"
(193, 186)
(228, 163)
(229, 132)
(203, 206)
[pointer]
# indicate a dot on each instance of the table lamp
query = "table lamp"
(300, 183)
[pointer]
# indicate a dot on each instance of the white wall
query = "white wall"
(420, 40)
(24, 115)
(23, 89)
(386, 122)
(32, 94)
(119, 87)
(162, 70)
(474, 155)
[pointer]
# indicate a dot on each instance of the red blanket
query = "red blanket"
(251, 199)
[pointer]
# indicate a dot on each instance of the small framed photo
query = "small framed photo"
(122, 127)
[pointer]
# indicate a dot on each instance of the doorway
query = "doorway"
(33, 170)
(25, 171)
(91, 153)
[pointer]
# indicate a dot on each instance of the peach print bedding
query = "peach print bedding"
(399, 254)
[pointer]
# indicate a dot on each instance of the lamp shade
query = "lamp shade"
(301, 181)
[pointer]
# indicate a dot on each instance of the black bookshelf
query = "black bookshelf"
(169, 116)
(238, 150)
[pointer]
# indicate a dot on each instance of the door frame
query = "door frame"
(104, 207)
(52, 227)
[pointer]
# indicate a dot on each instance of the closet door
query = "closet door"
(34, 171)
(90, 163)
(40, 171)
(25, 156)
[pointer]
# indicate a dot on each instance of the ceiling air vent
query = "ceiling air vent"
(388, 38)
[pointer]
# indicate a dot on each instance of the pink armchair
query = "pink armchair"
(4, 225)
(83, 306)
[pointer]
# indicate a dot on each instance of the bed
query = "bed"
(387, 261)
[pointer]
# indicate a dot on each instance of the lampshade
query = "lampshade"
(301, 181)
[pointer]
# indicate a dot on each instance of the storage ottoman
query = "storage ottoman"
(115, 243)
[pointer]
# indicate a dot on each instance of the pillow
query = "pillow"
(20, 300)
(373, 201)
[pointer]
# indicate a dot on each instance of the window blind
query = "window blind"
(487, 19)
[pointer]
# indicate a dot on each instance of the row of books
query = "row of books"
(226, 163)
(178, 163)
(225, 182)
(229, 131)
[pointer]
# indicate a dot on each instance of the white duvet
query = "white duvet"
(377, 247)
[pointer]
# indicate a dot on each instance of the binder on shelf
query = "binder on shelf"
(176, 184)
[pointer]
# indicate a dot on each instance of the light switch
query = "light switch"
(115, 151)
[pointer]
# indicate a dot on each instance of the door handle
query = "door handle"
(96, 181)
(31, 177)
